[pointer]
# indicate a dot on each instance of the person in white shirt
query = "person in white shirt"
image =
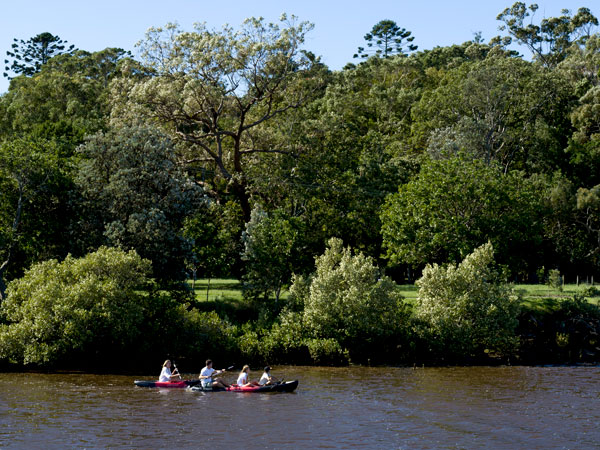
(207, 376)
(243, 378)
(267, 378)
(165, 373)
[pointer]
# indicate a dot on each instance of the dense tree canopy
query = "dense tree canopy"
(455, 205)
(138, 196)
(212, 89)
(550, 41)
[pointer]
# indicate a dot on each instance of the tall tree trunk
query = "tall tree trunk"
(2, 283)
(241, 193)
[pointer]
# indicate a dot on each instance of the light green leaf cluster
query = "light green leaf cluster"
(58, 309)
(349, 300)
(467, 307)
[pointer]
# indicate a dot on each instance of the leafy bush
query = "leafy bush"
(285, 341)
(590, 291)
(555, 281)
(327, 352)
(469, 309)
(89, 307)
(351, 302)
(197, 334)
(249, 344)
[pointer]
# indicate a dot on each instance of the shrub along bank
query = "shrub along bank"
(104, 312)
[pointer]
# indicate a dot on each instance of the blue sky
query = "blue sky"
(339, 25)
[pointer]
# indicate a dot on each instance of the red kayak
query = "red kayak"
(285, 386)
(167, 384)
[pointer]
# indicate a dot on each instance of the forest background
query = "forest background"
(237, 153)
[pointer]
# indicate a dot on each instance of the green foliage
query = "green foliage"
(388, 39)
(89, 308)
(214, 231)
(66, 100)
(550, 41)
(570, 228)
(350, 302)
(196, 334)
(212, 88)
(286, 340)
(555, 281)
(138, 196)
(327, 352)
(566, 333)
(351, 153)
(468, 308)
(33, 186)
(455, 205)
(590, 291)
(29, 56)
(498, 109)
(272, 251)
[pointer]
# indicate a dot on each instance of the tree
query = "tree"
(388, 39)
(137, 196)
(215, 232)
(28, 172)
(499, 109)
(455, 205)
(211, 89)
(588, 208)
(88, 307)
(351, 302)
(468, 307)
(582, 68)
(550, 41)
(29, 56)
(66, 100)
(352, 151)
(272, 250)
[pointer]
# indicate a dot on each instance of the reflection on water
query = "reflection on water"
(431, 408)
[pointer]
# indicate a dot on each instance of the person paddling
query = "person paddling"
(267, 378)
(165, 373)
(243, 378)
(207, 375)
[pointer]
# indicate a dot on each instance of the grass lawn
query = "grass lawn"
(229, 291)
(217, 289)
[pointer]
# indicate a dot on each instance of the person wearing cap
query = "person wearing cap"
(267, 378)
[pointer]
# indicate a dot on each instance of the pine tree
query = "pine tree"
(29, 56)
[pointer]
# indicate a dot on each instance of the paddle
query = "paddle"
(176, 370)
(219, 372)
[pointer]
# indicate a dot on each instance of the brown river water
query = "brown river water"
(333, 408)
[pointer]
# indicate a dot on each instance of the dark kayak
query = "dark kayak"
(286, 386)
(167, 384)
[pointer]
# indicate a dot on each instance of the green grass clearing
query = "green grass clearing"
(229, 291)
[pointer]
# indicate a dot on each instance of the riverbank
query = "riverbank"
(561, 330)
